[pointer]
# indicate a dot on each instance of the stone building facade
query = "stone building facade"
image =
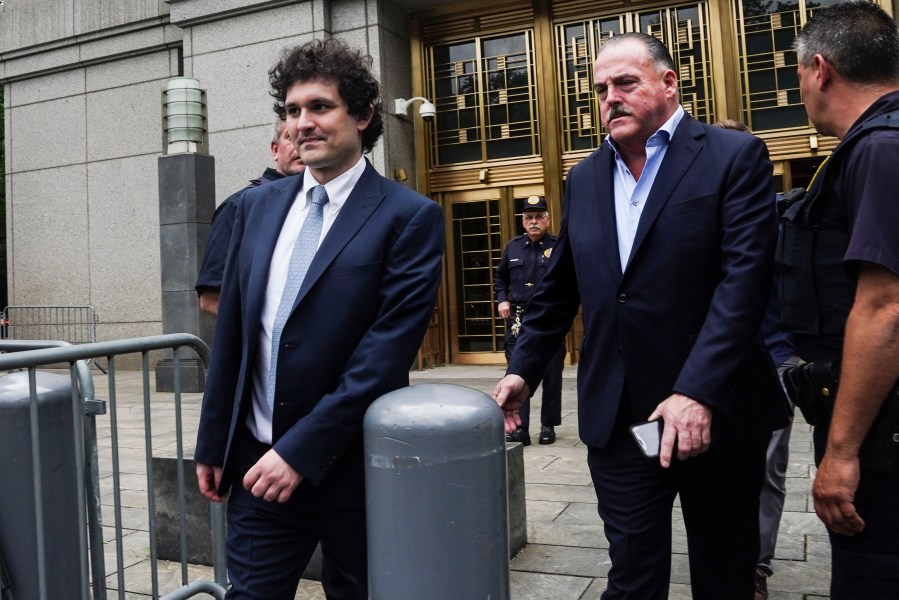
(82, 81)
(511, 81)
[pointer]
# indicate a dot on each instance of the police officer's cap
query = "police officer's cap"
(534, 203)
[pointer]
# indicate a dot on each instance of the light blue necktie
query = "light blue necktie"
(303, 251)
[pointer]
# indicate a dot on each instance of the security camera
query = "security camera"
(427, 111)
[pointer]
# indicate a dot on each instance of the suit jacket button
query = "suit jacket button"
(622, 298)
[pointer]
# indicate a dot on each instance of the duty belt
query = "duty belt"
(517, 313)
(813, 388)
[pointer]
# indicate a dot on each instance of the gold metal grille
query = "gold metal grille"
(486, 96)
(765, 34)
(478, 249)
(683, 29)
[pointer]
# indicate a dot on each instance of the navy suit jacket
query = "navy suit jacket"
(356, 326)
(684, 316)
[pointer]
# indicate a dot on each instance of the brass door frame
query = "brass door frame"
(501, 178)
(510, 226)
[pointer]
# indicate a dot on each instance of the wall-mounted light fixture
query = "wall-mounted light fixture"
(184, 117)
(426, 111)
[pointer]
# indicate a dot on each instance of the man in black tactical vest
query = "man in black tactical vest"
(839, 287)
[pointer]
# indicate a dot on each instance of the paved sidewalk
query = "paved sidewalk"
(567, 554)
(566, 558)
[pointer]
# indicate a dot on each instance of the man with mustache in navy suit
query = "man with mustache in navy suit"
(666, 242)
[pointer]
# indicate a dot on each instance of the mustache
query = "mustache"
(311, 136)
(618, 111)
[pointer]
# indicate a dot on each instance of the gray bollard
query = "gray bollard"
(436, 499)
(60, 567)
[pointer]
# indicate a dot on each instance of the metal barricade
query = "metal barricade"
(100, 460)
(75, 324)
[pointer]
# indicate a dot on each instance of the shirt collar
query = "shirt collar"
(663, 134)
(338, 188)
(883, 104)
(272, 174)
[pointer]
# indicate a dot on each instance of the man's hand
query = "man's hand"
(688, 421)
(509, 393)
(209, 301)
(505, 309)
(208, 478)
(870, 367)
(834, 490)
(271, 478)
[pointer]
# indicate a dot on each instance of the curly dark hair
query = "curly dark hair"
(334, 62)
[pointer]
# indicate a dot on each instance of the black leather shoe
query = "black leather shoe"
(547, 434)
(519, 435)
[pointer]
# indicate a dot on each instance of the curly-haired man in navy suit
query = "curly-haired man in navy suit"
(330, 283)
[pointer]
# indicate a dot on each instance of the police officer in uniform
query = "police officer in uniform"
(209, 280)
(839, 256)
(523, 265)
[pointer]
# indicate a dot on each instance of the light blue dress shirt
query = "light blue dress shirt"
(630, 194)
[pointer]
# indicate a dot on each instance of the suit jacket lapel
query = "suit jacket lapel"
(603, 178)
(361, 203)
(682, 151)
(275, 208)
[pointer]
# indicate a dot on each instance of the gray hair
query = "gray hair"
(279, 128)
(859, 40)
(658, 53)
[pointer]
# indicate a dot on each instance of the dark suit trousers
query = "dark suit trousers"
(719, 496)
(551, 407)
(269, 544)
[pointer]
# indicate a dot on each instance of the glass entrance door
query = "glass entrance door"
(481, 222)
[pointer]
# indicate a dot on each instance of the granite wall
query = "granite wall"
(82, 82)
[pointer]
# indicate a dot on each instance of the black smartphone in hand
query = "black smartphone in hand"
(648, 436)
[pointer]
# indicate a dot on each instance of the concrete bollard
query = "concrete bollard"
(60, 568)
(436, 498)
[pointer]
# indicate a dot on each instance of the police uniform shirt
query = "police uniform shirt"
(522, 267)
(862, 188)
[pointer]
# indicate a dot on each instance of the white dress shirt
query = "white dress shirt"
(259, 419)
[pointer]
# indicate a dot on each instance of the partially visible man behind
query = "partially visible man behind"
(774, 489)
(521, 268)
(209, 281)
(667, 240)
(329, 286)
(848, 58)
